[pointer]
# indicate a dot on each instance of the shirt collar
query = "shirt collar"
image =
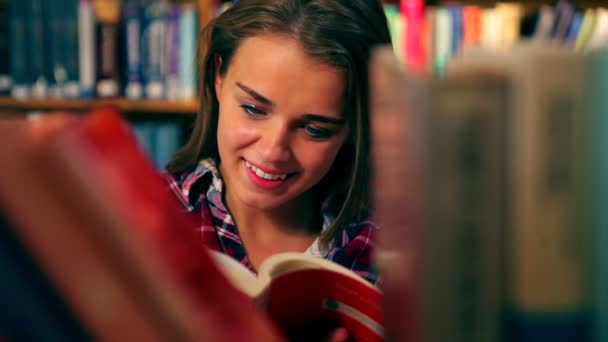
(207, 169)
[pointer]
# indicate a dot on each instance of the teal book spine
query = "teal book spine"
(187, 52)
(168, 137)
(599, 191)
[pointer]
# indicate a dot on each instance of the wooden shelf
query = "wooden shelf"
(157, 107)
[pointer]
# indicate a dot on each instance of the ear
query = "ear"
(218, 77)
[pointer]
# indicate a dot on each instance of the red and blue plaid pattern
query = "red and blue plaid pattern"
(200, 192)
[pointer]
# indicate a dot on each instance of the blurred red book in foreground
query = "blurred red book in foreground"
(127, 259)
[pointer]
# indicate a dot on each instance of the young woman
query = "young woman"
(279, 157)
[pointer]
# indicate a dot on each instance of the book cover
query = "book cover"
(491, 29)
(587, 27)
(471, 17)
(87, 53)
(132, 20)
(154, 46)
(339, 297)
(37, 47)
(168, 138)
(429, 39)
(395, 25)
(575, 27)
(599, 36)
(172, 51)
(144, 132)
(138, 247)
(107, 17)
(5, 48)
(188, 33)
(598, 190)
(443, 35)
(55, 38)
(413, 14)
(462, 249)
(510, 15)
(545, 22)
(549, 254)
(564, 13)
(71, 49)
(397, 134)
(456, 15)
(20, 67)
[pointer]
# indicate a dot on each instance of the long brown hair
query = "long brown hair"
(340, 33)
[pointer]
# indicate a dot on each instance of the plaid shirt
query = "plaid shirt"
(200, 191)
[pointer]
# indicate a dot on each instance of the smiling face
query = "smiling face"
(280, 122)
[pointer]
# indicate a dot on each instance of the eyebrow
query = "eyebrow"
(325, 119)
(254, 94)
(311, 117)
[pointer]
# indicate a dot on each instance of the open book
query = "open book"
(299, 292)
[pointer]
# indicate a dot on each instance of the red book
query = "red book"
(413, 12)
(116, 244)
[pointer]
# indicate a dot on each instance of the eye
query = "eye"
(252, 110)
(318, 132)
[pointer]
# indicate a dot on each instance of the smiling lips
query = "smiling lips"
(263, 179)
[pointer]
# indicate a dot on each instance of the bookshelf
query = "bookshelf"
(167, 109)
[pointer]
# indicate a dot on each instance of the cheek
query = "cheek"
(319, 161)
(233, 131)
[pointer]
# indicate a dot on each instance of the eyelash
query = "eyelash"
(313, 131)
(317, 132)
(252, 110)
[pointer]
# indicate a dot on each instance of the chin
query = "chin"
(262, 203)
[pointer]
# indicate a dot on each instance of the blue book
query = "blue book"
(132, 13)
(71, 50)
(38, 52)
(54, 36)
(564, 13)
(172, 51)
(5, 66)
(31, 309)
(20, 67)
(575, 28)
(153, 52)
(455, 11)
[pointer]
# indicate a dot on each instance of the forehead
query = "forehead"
(278, 68)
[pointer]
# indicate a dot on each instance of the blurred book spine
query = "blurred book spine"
(5, 48)
(132, 30)
(154, 42)
(107, 18)
(188, 29)
(86, 43)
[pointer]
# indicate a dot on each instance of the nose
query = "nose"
(276, 142)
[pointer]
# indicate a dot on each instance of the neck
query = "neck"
(298, 218)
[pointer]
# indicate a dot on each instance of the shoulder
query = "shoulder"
(192, 184)
(354, 247)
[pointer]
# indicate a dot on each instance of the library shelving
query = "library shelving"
(168, 109)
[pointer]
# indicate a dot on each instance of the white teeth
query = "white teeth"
(263, 174)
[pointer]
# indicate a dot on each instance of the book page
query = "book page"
(283, 263)
(239, 275)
